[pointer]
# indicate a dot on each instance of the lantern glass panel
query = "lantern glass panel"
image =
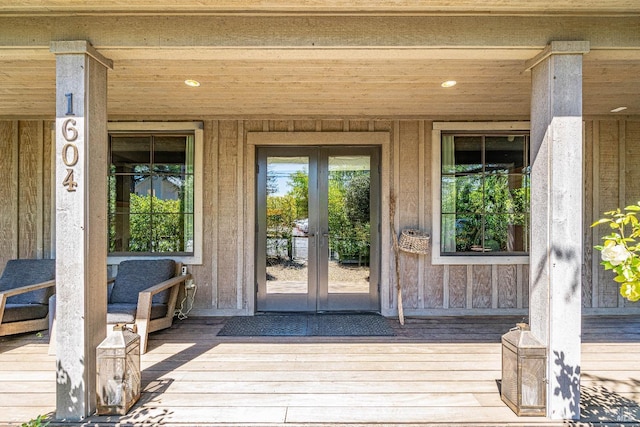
(523, 386)
(509, 385)
(532, 384)
(118, 372)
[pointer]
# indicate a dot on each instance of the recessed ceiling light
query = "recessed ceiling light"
(192, 83)
(449, 83)
(617, 110)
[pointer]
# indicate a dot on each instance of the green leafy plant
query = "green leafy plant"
(621, 249)
(39, 421)
(349, 215)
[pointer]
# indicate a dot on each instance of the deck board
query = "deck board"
(434, 371)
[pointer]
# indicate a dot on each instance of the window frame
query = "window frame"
(196, 128)
(437, 258)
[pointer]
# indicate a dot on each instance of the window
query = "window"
(483, 186)
(154, 185)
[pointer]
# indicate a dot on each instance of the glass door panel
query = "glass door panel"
(287, 225)
(349, 197)
(316, 247)
(287, 209)
(349, 216)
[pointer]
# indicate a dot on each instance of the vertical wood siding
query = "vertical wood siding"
(632, 161)
(48, 176)
(407, 207)
(206, 273)
(8, 191)
(611, 179)
(433, 275)
(588, 206)
(426, 287)
(457, 286)
(30, 201)
(507, 286)
(608, 200)
(227, 208)
(524, 278)
(482, 289)
(25, 190)
(632, 170)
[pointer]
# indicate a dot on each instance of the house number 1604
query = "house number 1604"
(69, 153)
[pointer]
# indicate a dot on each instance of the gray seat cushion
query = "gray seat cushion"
(135, 276)
(126, 313)
(22, 272)
(20, 312)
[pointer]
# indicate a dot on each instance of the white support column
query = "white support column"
(81, 223)
(556, 219)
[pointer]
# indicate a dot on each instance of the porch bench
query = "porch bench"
(25, 287)
(144, 294)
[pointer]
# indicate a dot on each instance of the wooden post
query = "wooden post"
(81, 223)
(556, 219)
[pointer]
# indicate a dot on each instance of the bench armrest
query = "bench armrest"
(145, 297)
(163, 286)
(27, 288)
(21, 290)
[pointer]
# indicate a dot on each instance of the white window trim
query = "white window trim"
(436, 168)
(196, 128)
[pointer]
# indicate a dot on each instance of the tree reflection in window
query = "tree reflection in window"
(151, 206)
(485, 192)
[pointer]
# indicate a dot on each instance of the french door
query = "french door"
(317, 231)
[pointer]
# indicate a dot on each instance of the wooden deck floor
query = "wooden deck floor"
(440, 371)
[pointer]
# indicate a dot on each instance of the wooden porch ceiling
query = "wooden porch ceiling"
(314, 65)
(309, 82)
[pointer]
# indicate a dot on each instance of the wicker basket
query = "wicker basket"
(414, 241)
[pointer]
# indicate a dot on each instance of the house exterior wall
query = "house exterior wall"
(611, 181)
(225, 278)
(25, 189)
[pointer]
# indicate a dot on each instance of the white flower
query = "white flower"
(615, 254)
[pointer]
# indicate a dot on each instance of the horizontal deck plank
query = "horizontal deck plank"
(308, 398)
(286, 365)
(16, 415)
(321, 387)
(215, 376)
(344, 355)
(393, 414)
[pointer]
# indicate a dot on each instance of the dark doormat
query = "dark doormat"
(300, 325)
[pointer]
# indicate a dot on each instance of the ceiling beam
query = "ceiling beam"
(539, 7)
(352, 55)
(317, 31)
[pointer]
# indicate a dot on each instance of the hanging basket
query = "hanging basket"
(414, 241)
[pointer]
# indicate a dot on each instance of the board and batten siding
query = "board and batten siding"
(612, 180)
(25, 190)
(225, 279)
